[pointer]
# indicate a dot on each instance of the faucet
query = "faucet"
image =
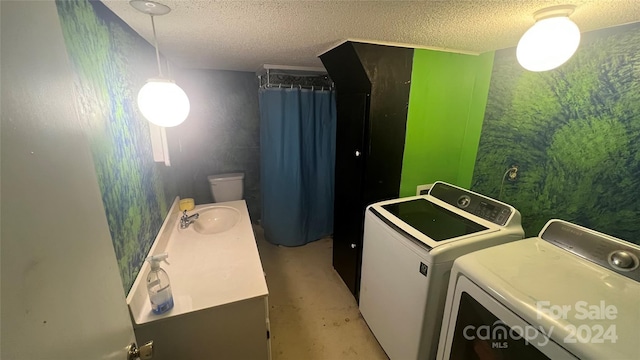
(186, 220)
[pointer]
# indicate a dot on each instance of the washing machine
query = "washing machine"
(408, 249)
(570, 293)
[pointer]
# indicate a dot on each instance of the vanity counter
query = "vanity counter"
(217, 282)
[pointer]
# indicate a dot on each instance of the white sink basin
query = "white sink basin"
(216, 219)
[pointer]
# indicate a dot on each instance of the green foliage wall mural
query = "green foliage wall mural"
(573, 132)
(111, 62)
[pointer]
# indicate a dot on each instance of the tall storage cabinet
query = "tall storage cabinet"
(372, 95)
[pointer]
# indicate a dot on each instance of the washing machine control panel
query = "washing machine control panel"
(604, 250)
(472, 203)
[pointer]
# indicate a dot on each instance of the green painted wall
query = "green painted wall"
(446, 108)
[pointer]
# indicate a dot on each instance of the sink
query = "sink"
(216, 219)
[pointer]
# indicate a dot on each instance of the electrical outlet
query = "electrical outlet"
(513, 173)
(423, 189)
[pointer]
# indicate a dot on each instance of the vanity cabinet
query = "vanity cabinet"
(219, 291)
(372, 95)
(231, 331)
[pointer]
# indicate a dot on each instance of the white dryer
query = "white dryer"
(570, 293)
(408, 250)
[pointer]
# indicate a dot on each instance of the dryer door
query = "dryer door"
(482, 328)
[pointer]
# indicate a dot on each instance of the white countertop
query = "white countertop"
(205, 270)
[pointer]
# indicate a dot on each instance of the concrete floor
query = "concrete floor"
(313, 315)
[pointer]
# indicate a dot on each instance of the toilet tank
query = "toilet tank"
(226, 187)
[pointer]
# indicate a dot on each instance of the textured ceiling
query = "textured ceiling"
(244, 35)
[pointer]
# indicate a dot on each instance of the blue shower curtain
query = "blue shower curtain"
(297, 156)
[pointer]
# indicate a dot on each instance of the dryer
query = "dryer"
(408, 250)
(570, 293)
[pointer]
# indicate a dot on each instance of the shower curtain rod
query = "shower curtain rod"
(292, 79)
(285, 72)
(289, 73)
(293, 71)
(299, 86)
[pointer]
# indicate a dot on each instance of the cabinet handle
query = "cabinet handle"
(357, 153)
(145, 351)
(353, 246)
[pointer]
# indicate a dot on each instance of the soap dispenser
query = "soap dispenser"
(158, 285)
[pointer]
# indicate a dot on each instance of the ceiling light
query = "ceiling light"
(551, 41)
(160, 100)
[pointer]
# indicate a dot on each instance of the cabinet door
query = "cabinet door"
(351, 140)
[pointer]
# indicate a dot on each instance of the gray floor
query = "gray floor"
(313, 315)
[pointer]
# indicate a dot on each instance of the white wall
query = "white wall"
(55, 244)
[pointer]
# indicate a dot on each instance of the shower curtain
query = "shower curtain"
(297, 156)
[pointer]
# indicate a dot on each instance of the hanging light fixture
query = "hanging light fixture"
(551, 41)
(160, 100)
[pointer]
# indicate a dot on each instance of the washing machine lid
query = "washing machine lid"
(591, 311)
(418, 218)
(433, 220)
(448, 214)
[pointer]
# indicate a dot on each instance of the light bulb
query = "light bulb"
(163, 102)
(549, 43)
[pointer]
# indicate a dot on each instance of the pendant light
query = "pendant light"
(551, 41)
(160, 100)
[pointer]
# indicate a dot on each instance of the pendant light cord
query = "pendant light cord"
(155, 43)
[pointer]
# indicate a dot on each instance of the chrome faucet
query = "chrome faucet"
(187, 220)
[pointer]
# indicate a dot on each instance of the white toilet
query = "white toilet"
(226, 187)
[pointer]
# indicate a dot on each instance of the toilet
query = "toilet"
(226, 187)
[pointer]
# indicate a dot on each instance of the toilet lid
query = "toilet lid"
(225, 177)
